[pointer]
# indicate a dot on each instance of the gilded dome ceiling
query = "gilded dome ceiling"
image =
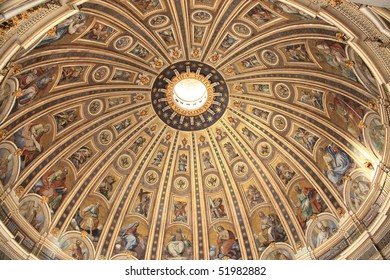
(107, 154)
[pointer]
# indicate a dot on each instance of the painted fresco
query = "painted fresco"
(9, 164)
(347, 114)
(290, 147)
(223, 243)
(307, 202)
(33, 139)
(332, 57)
(74, 25)
(35, 82)
(321, 231)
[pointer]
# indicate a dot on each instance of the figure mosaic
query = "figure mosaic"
(33, 213)
(217, 208)
(65, 118)
(183, 162)
(112, 102)
(260, 15)
(350, 115)
(269, 57)
(199, 32)
(52, 185)
(313, 98)
(106, 186)
(123, 42)
(71, 74)
(249, 134)
(76, 24)
(230, 150)
(144, 203)
(123, 75)
(283, 8)
(140, 51)
(271, 230)
(337, 162)
(297, 53)
(158, 158)
(28, 139)
(308, 203)
(122, 125)
(206, 158)
(323, 231)
(260, 113)
(228, 247)
(284, 172)
(76, 249)
(377, 134)
(81, 156)
(360, 188)
(132, 240)
(99, 33)
(180, 212)
(253, 196)
(146, 5)
(167, 36)
(305, 138)
(34, 82)
(250, 62)
(202, 16)
(6, 163)
(333, 54)
(139, 143)
(261, 88)
(178, 244)
(228, 42)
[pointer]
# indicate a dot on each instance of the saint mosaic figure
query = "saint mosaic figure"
(178, 245)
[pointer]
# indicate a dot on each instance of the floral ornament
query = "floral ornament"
(139, 97)
(3, 134)
(175, 53)
(157, 63)
(238, 88)
(229, 70)
(196, 52)
(143, 79)
(153, 127)
(231, 120)
(143, 113)
(237, 104)
(215, 57)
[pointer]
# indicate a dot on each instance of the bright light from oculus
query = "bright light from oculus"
(190, 94)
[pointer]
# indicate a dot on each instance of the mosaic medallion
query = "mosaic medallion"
(190, 96)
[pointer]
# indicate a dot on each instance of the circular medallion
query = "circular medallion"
(105, 137)
(240, 169)
(264, 149)
(212, 181)
(181, 183)
(101, 73)
(124, 161)
(159, 21)
(95, 107)
(151, 177)
(270, 57)
(280, 122)
(242, 30)
(282, 91)
(123, 43)
(202, 16)
(190, 96)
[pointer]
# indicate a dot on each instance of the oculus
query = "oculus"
(190, 96)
